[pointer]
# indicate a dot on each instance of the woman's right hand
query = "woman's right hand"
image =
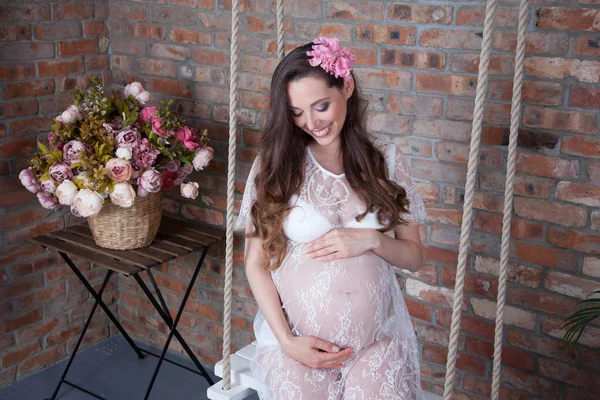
(316, 353)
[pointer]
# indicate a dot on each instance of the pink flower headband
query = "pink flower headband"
(334, 59)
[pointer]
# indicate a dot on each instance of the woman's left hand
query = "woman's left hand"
(343, 243)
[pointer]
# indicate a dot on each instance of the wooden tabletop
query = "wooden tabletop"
(175, 238)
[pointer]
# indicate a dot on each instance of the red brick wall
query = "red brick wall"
(46, 50)
(418, 65)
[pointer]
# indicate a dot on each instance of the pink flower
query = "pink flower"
(136, 90)
(149, 114)
(128, 137)
(73, 151)
(172, 166)
(60, 171)
(28, 179)
(119, 170)
(334, 59)
(143, 155)
(70, 115)
(54, 143)
(150, 181)
(182, 173)
(168, 179)
(48, 185)
(86, 203)
(122, 195)
(47, 200)
(157, 127)
(202, 158)
(188, 137)
(189, 190)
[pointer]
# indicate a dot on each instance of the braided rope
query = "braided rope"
(469, 189)
(280, 31)
(515, 116)
(235, 22)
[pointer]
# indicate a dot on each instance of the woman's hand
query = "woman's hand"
(316, 353)
(343, 243)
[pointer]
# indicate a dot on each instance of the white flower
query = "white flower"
(136, 90)
(202, 158)
(189, 190)
(66, 192)
(86, 203)
(143, 97)
(124, 153)
(123, 195)
(70, 115)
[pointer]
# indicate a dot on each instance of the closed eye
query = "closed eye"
(323, 107)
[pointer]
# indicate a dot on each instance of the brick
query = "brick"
(547, 256)
(550, 167)
(68, 84)
(576, 19)
(97, 63)
(543, 345)
(593, 171)
(560, 68)
(42, 359)
(128, 46)
(355, 11)
(512, 315)
(587, 45)
(27, 51)
(430, 333)
(192, 3)
(308, 30)
(16, 356)
(156, 67)
(169, 51)
(413, 59)
(130, 12)
(580, 145)
(389, 79)
(464, 362)
(423, 14)
(211, 57)
(57, 31)
(471, 325)
(267, 25)
(577, 121)
(454, 152)
(570, 285)
(548, 93)
(364, 55)
(203, 74)
(388, 123)
(475, 15)
(376, 33)
(18, 109)
(440, 296)
(43, 328)
(13, 71)
(451, 39)
(542, 210)
(477, 386)
(28, 89)
(446, 84)
(584, 97)
(258, 64)
(493, 113)
(529, 383)
(60, 67)
(15, 32)
(573, 393)
(148, 31)
(223, 22)
(580, 377)
(170, 87)
(23, 319)
(214, 95)
(173, 16)
(469, 63)
(190, 36)
(518, 273)
(524, 185)
(570, 239)
(488, 201)
(591, 359)
(73, 11)
(580, 193)
(430, 170)
(426, 106)
(442, 129)
(95, 28)
(419, 310)
(478, 284)
(535, 42)
(535, 140)
(554, 327)
(591, 266)
(25, 12)
(541, 301)
(202, 214)
(78, 48)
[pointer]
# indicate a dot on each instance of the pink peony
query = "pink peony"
(47, 200)
(172, 166)
(73, 151)
(128, 137)
(202, 158)
(331, 57)
(168, 179)
(118, 170)
(48, 185)
(60, 171)
(54, 143)
(157, 127)
(70, 115)
(188, 137)
(149, 114)
(86, 203)
(122, 195)
(28, 179)
(66, 192)
(143, 155)
(150, 181)
(182, 173)
(189, 190)
(136, 90)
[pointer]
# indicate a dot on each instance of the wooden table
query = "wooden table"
(175, 238)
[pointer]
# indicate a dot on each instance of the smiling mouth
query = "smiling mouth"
(323, 132)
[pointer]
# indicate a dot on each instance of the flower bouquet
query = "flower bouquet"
(108, 159)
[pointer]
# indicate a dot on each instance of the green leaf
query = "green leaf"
(43, 148)
(75, 165)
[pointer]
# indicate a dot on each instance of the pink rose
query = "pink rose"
(157, 127)
(168, 179)
(60, 171)
(150, 181)
(143, 155)
(28, 179)
(149, 114)
(47, 200)
(172, 166)
(73, 151)
(182, 173)
(128, 137)
(119, 170)
(202, 158)
(188, 137)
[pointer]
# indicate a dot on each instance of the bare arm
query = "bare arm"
(404, 251)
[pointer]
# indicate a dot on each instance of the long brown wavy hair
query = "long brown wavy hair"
(283, 155)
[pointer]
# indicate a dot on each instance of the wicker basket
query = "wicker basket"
(121, 228)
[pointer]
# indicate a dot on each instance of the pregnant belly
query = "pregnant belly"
(343, 301)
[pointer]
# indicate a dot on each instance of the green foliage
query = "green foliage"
(580, 319)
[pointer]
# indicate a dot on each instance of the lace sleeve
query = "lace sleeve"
(400, 173)
(244, 220)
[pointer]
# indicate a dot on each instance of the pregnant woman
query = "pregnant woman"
(328, 213)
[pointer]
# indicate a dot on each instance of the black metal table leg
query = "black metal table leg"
(173, 328)
(102, 305)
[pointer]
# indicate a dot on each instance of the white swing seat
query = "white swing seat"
(243, 383)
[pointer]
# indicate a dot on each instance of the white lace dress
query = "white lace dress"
(353, 302)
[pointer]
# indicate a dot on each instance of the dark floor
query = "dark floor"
(112, 370)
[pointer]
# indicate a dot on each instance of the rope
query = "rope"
(515, 116)
(235, 23)
(469, 189)
(280, 32)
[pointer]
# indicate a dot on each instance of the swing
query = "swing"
(237, 380)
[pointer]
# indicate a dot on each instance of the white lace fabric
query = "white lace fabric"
(352, 302)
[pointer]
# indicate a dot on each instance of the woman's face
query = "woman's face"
(319, 110)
